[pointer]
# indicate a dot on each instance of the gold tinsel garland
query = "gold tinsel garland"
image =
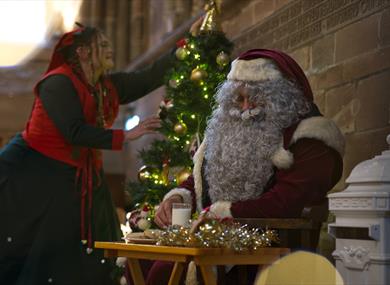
(215, 233)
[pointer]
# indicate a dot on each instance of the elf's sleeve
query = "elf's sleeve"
(62, 104)
(136, 84)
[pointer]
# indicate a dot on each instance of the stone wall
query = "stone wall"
(343, 47)
(16, 92)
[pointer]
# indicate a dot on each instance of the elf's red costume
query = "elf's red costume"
(54, 199)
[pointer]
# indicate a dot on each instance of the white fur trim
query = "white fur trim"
(182, 192)
(221, 209)
(322, 129)
(254, 70)
(319, 128)
(197, 172)
(282, 158)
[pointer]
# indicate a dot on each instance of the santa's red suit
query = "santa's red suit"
(307, 161)
(304, 173)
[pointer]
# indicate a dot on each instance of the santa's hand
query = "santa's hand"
(163, 217)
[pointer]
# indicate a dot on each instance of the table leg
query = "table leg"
(242, 274)
(262, 274)
(208, 275)
(176, 273)
(136, 272)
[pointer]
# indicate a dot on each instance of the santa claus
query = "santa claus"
(267, 151)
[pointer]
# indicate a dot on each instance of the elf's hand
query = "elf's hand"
(147, 126)
(194, 30)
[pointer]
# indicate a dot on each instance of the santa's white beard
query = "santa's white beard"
(239, 145)
(238, 155)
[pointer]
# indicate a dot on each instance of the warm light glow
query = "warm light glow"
(31, 29)
(68, 10)
(26, 23)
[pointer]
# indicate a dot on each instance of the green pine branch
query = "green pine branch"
(190, 104)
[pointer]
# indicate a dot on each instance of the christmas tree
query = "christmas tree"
(202, 63)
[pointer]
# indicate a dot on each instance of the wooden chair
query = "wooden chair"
(295, 233)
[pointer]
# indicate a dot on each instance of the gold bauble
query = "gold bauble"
(180, 128)
(222, 59)
(181, 53)
(182, 175)
(198, 74)
(145, 173)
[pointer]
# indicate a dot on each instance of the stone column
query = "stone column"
(96, 14)
(110, 22)
(84, 16)
(122, 34)
(197, 6)
(139, 27)
(182, 11)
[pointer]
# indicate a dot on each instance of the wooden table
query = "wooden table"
(205, 258)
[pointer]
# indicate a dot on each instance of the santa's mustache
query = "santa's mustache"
(255, 113)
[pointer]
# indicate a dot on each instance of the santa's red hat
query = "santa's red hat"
(266, 64)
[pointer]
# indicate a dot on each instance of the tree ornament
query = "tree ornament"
(162, 113)
(123, 280)
(181, 53)
(165, 172)
(182, 42)
(211, 21)
(165, 105)
(198, 74)
(182, 175)
(174, 83)
(180, 128)
(145, 173)
(144, 224)
(222, 59)
(194, 144)
(173, 171)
